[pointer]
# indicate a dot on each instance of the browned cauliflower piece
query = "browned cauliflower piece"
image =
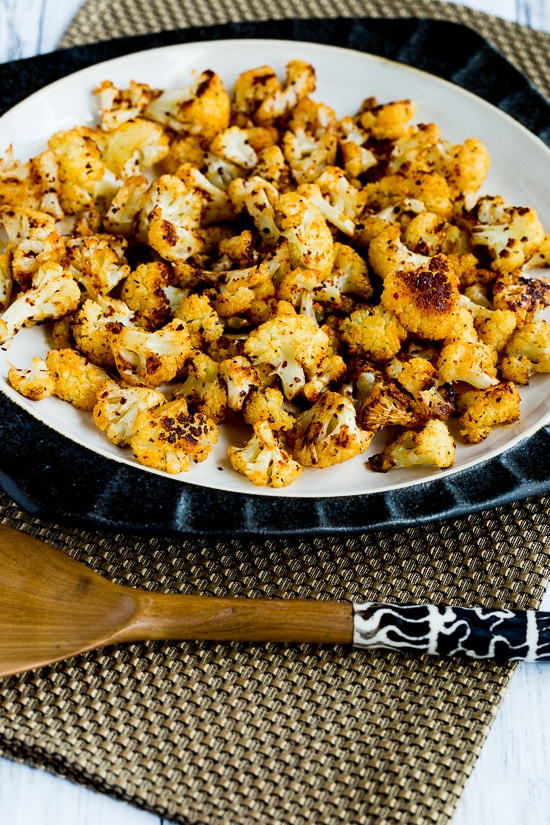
(149, 358)
(464, 166)
(31, 185)
(117, 408)
(202, 320)
(34, 382)
(200, 108)
(53, 294)
(328, 433)
(386, 121)
(303, 225)
(169, 438)
(98, 262)
(357, 158)
(292, 345)
(116, 106)
(388, 254)
(203, 387)
(433, 445)
(385, 405)
(134, 146)
(32, 240)
(251, 88)
(527, 352)
(429, 187)
(263, 459)
(267, 404)
(169, 219)
(76, 379)
(483, 410)
(374, 332)
(83, 176)
(524, 296)
(146, 292)
(300, 82)
(241, 378)
(419, 377)
(469, 361)
(124, 207)
(6, 280)
(425, 300)
(88, 327)
(510, 234)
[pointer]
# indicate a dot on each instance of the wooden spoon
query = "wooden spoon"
(53, 607)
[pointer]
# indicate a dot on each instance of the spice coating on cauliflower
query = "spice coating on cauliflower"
(263, 460)
(168, 438)
(328, 433)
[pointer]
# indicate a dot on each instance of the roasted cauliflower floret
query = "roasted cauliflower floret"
(98, 262)
(425, 300)
(53, 293)
(292, 345)
(419, 377)
(34, 382)
(135, 146)
(168, 437)
(32, 240)
(524, 296)
(251, 88)
(464, 166)
(145, 292)
(169, 219)
(310, 241)
(241, 379)
(468, 361)
(267, 404)
(429, 187)
(263, 459)
(385, 405)
(76, 379)
(510, 234)
(124, 207)
(373, 332)
(328, 433)
(202, 321)
(300, 82)
(117, 408)
(483, 410)
(432, 445)
(89, 328)
(150, 358)
(200, 108)
(527, 352)
(116, 106)
(31, 185)
(386, 121)
(83, 175)
(203, 387)
(388, 254)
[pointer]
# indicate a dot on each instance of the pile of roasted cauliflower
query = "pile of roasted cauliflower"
(205, 254)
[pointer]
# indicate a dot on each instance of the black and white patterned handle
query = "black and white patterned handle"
(440, 630)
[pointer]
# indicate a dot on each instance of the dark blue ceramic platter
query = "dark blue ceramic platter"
(57, 480)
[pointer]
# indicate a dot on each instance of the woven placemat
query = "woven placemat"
(242, 733)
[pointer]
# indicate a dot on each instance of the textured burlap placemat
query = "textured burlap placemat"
(238, 733)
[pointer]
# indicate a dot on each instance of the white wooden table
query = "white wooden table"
(510, 784)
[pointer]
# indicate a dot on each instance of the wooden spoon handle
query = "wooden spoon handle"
(167, 616)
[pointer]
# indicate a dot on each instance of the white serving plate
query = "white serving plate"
(519, 171)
